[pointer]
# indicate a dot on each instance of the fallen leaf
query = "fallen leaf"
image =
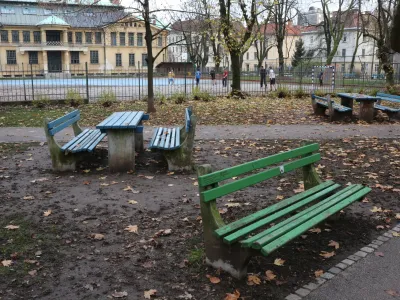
(397, 216)
(196, 183)
(32, 273)
(232, 204)
(30, 261)
(163, 232)
(326, 254)
(129, 188)
(392, 293)
(86, 171)
(149, 293)
(99, 169)
(396, 234)
(234, 296)
(149, 177)
(29, 198)
(379, 254)
(380, 227)
(132, 202)
(315, 230)
(104, 184)
(279, 197)
(318, 273)
(11, 227)
(270, 275)
(47, 213)
(6, 263)
(98, 236)
(334, 244)
(39, 180)
(279, 262)
(86, 182)
(132, 228)
(213, 279)
(376, 209)
(253, 280)
(119, 294)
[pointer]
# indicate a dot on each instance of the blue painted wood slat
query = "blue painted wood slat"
(64, 125)
(120, 122)
(96, 142)
(178, 138)
(136, 120)
(84, 145)
(114, 122)
(63, 119)
(172, 144)
(168, 138)
(158, 138)
(129, 119)
(163, 136)
(110, 120)
(79, 142)
(153, 138)
(74, 140)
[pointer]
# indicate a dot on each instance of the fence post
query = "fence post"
(139, 78)
(87, 84)
(185, 79)
(33, 90)
(23, 79)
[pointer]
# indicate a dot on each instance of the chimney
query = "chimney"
(290, 23)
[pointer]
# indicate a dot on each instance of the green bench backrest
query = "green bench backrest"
(188, 114)
(218, 176)
(63, 122)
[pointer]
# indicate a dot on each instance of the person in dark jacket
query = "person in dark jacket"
(212, 74)
(263, 76)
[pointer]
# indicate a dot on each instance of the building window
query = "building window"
(88, 37)
(139, 39)
(37, 37)
(4, 36)
(365, 39)
(94, 57)
(113, 39)
(70, 37)
(97, 37)
(118, 60)
(343, 52)
(255, 55)
(344, 38)
(74, 57)
(131, 59)
(33, 57)
(363, 53)
(11, 57)
(376, 68)
(159, 41)
(78, 37)
(343, 68)
(15, 36)
(26, 35)
(247, 67)
(144, 60)
(122, 38)
(247, 55)
(131, 37)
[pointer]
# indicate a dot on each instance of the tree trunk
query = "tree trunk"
(235, 64)
(281, 58)
(384, 57)
(149, 40)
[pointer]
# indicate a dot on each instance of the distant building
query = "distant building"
(314, 16)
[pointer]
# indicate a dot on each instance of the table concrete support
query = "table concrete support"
(139, 147)
(348, 102)
(367, 111)
(121, 150)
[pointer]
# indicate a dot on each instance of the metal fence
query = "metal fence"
(29, 82)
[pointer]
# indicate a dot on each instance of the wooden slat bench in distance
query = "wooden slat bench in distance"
(64, 158)
(392, 112)
(336, 111)
(230, 246)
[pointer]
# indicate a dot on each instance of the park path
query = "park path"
(328, 131)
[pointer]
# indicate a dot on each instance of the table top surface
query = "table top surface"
(123, 120)
(358, 97)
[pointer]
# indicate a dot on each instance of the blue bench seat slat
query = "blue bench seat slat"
(324, 102)
(158, 137)
(153, 138)
(77, 142)
(74, 140)
(163, 137)
(188, 114)
(168, 138)
(63, 119)
(389, 97)
(177, 138)
(95, 143)
(172, 143)
(87, 142)
(386, 108)
(64, 125)
(135, 121)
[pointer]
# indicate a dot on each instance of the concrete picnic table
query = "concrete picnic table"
(366, 104)
(125, 136)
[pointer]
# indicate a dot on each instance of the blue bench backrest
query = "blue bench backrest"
(63, 122)
(188, 114)
(391, 97)
(320, 98)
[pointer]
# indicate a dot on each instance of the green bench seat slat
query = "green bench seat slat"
(63, 119)
(233, 237)
(64, 125)
(257, 164)
(75, 140)
(269, 248)
(276, 231)
(225, 230)
(256, 178)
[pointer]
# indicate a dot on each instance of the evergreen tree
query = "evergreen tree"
(298, 54)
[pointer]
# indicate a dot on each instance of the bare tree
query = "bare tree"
(359, 34)
(263, 41)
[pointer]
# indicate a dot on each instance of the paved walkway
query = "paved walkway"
(326, 131)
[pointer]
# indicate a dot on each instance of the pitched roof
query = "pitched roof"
(290, 29)
(53, 20)
(69, 2)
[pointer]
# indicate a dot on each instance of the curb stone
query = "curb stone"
(344, 264)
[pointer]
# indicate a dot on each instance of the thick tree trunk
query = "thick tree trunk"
(384, 57)
(280, 55)
(235, 61)
(149, 40)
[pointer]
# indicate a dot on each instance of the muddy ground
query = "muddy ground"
(81, 249)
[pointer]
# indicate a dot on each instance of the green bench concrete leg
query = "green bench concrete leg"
(121, 150)
(61, 161)
(231, 258)
(182, 158)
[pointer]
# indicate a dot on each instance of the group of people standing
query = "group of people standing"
(263, 78)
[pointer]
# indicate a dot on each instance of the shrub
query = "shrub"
(319, 93)
(202, 95)
(300, 93)
(73, 98)
(107, 98)
(373, 92)
(161, 97)
(178, 97)
(283, 92)
(393, 89)
(41, 101)
(348, 90)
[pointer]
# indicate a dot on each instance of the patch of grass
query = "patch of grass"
(196, 256)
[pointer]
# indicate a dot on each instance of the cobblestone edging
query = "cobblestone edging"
(344, 264)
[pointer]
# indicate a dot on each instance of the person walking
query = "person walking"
(321, 78)
(171, 77)
(263, 76)
(225, 78)
(271, 79)
(212, 74)
(197, 76)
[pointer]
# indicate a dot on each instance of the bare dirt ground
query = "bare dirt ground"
(73, 240)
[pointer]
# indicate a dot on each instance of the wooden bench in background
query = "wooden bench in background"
(230, 246)
(64, 157)
(390, 111)
(321, 104)
(176, 143)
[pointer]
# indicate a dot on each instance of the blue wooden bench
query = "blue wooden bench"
(390, 111)
(321, 104)
(176, 143)
(64, 158)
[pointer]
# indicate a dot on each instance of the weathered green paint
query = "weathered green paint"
(254, 226)
(257, 164)
(182, 158)
(311, 213)
(223, 231)
(269, 248)
(256, 178)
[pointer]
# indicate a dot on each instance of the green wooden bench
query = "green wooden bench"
(230, 246)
